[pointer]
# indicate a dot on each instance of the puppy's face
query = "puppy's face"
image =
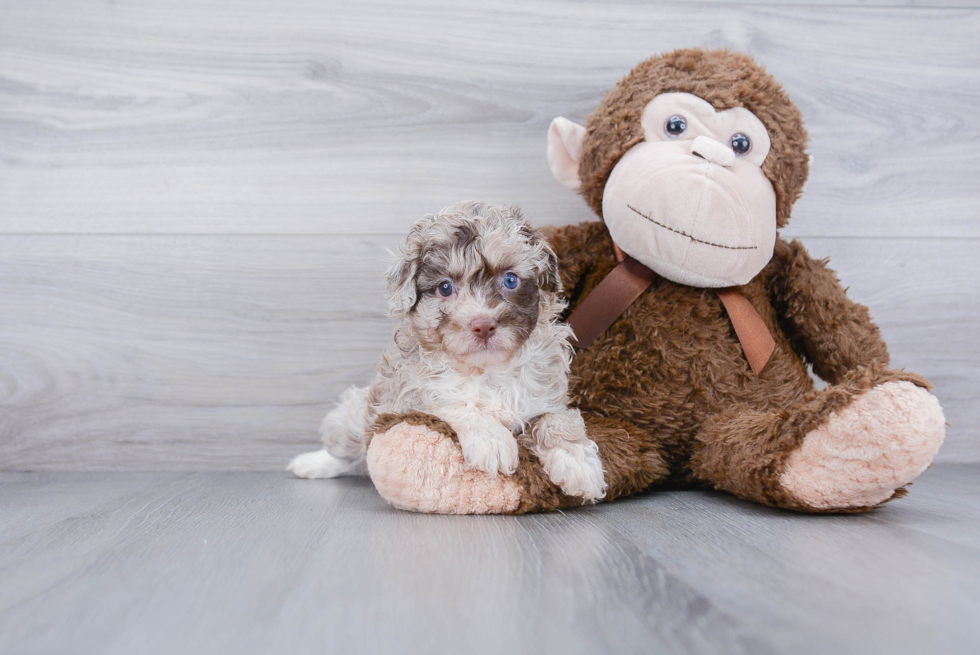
(472, 282)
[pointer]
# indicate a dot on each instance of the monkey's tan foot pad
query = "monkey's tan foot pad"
(880, 442)
(420, 470)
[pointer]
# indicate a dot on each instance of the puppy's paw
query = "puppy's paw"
(489, 448)
(576, 468)
(568, 456)
(319, 464)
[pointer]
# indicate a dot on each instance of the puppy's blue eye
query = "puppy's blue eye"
(445, 288)
(511, 281)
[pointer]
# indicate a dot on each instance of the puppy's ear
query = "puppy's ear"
(542, 254)
(546, 262)
(402, 291)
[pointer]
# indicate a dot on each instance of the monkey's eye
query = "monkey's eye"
(510, 280)
(676, 126)
(740, 143)
(445, 288)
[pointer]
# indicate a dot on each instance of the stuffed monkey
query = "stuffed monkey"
(691, 366)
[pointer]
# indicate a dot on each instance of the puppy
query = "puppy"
(479, 346)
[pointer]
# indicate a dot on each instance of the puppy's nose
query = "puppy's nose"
(484, 327)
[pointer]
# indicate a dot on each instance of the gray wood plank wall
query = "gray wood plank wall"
(196, 196)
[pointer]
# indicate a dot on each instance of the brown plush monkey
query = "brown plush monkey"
(693, 161)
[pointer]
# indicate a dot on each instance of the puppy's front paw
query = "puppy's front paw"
(490, 448)
(577, 469)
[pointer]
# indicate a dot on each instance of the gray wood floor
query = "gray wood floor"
(256, 562)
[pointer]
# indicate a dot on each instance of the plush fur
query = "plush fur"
(852, 459)
(724, 79)
(416, 464)
(666, 392)
(476, 290)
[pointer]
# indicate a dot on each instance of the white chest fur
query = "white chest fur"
(513, 393)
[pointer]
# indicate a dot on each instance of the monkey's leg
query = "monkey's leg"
(416, 464)
(845, 448)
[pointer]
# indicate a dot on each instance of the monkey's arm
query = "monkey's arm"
(830, 331)
(578, 248)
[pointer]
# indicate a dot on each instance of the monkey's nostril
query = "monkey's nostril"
(484, 327)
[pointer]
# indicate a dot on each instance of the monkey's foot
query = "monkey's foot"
(420, 469)
(879, 443)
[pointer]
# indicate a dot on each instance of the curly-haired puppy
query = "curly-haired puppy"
(479, 346)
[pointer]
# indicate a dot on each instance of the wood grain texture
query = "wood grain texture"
(297, 139)
(169, 351)
(260, 563)
(304, 116)
(225, 352)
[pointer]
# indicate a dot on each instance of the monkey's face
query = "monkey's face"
(691, 201)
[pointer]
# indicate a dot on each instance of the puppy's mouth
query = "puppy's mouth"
(476, 351)
(492, 346)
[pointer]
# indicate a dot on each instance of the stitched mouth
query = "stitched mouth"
(692, 238)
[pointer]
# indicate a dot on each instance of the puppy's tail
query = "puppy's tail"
(321, 464)
(343, 428)
(343, 440)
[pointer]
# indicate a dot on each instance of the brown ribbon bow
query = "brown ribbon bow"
(630, 278)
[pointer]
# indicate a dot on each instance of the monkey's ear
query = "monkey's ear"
(565, 140)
